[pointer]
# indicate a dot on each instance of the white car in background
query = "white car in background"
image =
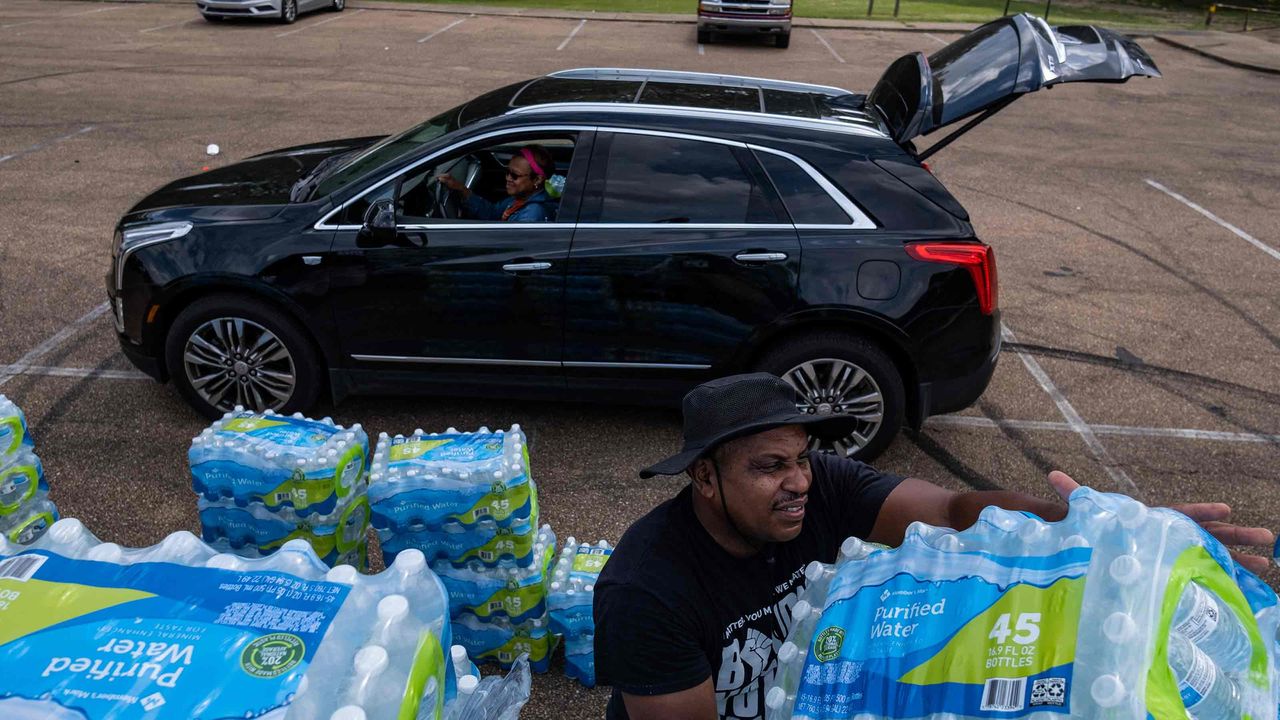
(285, 11)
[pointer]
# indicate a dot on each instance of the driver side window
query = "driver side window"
(489, 183)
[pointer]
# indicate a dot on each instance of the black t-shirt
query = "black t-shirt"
(673, 608)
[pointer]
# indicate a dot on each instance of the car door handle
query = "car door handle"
(760, 257)
(526, 267)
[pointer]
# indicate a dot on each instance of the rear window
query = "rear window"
(806, 200)
(796, 104)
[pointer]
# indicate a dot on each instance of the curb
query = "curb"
(1213, 56)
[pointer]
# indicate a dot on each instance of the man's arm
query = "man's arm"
(917, 500)
(914, 500)
(696, 703)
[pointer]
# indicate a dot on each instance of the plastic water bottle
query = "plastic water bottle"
(376, 686)
(1206, 692)
(1213, 629)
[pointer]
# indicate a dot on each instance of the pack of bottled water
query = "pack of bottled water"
(501, 641)
(517, 594)
(13, 428)
(25, 509)
(177, 630)
(1119, 611)
(279, 461)
(339, 538)
(265, 479)
(569, 599)
(485, 544)
(430, 480)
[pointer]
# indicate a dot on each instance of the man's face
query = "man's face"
(766, 482)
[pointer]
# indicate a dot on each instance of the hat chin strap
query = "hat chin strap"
(724, 505)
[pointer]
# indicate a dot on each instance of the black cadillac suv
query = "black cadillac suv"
(703, 225)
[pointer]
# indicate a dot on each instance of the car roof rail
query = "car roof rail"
(862, 126)
(699, 78)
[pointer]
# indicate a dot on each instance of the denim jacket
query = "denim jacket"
(538, 208)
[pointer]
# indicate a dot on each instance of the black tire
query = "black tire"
(821, 347)
(704, 37)
(288, 11)
(303, 359)
(783, 40)
(212, 18)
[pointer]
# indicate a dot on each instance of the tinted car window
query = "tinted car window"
(701, 96)
(805, 199)
(551, 90)
(783, 102)
(649, 179)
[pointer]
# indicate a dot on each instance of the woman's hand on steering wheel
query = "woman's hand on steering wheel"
(450, 182)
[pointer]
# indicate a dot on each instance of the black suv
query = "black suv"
(706, 225)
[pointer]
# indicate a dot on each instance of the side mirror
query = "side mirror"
(380, 222)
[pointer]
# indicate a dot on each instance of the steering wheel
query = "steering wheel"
(467, 168)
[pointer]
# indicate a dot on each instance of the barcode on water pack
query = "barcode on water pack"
(20, 568)
(1004, 694)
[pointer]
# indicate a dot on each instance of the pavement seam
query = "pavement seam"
(1219, 58)
(1073, 418)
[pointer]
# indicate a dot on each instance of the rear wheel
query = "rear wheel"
(843, 374)
(288, 11)
(704, 37)
(783, 40)
(224, 351)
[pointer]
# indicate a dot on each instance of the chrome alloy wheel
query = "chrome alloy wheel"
(233, 361)
(830, 386)
(290, 11)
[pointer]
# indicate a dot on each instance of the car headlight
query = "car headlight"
(131, 240)
(709, 7)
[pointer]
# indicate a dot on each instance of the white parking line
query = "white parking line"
(1077, 423)
(572, 32)
(163, 27)
(51, 343)
(41, 145)
(1239, 233)
(453, 24)
(59, 17)
(701, 50)
(823, 40)
(971, 421)
(74, 372)
(318, 24)
(935, 38)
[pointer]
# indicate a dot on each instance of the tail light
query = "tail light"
(926, 166)
(978, 259)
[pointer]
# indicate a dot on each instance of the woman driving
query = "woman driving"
(527, 199)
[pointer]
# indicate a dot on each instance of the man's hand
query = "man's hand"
(1211, 516)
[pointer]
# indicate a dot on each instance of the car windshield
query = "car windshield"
(488, 105)
(380, 153)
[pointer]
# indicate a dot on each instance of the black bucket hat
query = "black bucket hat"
(737, 406)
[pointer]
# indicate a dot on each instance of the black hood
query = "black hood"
(262, 181)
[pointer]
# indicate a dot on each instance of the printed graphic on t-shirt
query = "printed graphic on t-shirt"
(750, 657)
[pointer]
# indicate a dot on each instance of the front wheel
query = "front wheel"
(224, 351)
(339, 5)
(782, 40)
(288, 11)
(843, 374)
(704, 37)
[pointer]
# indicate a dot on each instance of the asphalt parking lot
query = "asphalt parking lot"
(1137, 229)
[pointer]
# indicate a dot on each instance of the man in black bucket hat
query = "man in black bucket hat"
(696, 600)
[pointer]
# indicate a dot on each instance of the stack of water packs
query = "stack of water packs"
(93, 630)
(265, 479)
(25, 509)
(569, 599)
(1120, 611)
(467, 501)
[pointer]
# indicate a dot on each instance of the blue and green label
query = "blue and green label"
(895, 646)
(95, 640)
